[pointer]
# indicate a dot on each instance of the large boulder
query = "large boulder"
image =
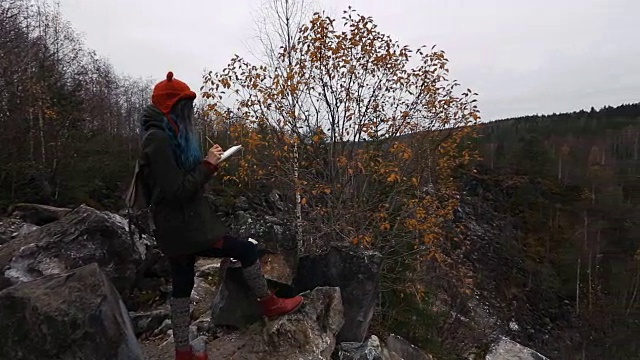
(78, 315)
(357, 273)
(38, 214)
(308, 333)
(82, 237)
(235, 304)
(506, 349)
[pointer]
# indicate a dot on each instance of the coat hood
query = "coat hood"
(152, 117)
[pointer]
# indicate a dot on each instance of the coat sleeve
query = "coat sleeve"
(173, 183)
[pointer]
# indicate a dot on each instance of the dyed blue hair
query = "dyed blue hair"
(186, 145)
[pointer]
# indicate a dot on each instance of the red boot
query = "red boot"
(272, 306)
(187, 354)
(184, 354)
(202, 356)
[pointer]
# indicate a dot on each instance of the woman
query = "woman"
(175, 173)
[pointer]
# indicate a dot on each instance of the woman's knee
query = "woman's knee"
(244, 251)
(249, 255)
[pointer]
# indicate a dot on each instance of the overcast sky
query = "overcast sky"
(522, 57)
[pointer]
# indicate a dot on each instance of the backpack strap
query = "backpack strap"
(137, 199)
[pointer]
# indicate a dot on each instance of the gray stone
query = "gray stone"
(201, 297)
(308, 333)
(203, 324)
(38, 214)
(277, 269)
(11, 228)
(234, 304)
(370, 350)
(77, 315)
(207, 268)
(506, 349)
(357, 273)
(241, 203)
(25, 229)
(405, 349)
(164, 328)
(275, 198)
(148, 322)
(82, 237)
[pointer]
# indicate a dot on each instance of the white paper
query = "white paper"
(229, 152)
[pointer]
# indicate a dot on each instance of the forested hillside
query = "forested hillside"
(558, 196)
(571, 183)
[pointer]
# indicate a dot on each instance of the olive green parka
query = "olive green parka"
(185, 221)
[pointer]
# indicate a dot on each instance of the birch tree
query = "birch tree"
(379, 140)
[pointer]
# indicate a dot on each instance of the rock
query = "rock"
(3, 239)
(164, 328)
(159, 266)
(308, 333)
(148, 322)
(150, 284)
(25, 229)
(277, 269)
(273, 220)
(506, 349)
(201, 297)
(273, 234)
(203, 324)
(405, 349)
(235, 304)
(241, 203)
(208, 268)
(11, 228)
(275, 198)
(78, 315)
(370, 350)
(37, 214)
(82, 237)
(356, 272)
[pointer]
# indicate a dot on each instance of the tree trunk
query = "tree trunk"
(586, 230)
(578, 289)
(590, 284)
(42, 142)
(493, 154)
(296, 175)
(560, 168)
(635, 289)
(635, 147)
(31, 141)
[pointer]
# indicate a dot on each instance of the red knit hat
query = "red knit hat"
(168, 92)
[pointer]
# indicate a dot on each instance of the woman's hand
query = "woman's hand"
(214, 154)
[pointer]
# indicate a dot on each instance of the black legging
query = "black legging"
(183, 267)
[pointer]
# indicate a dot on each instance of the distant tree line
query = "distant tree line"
(68, 119)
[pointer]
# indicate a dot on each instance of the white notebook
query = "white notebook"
(230, 152)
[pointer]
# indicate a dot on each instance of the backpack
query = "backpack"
(139, 206)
